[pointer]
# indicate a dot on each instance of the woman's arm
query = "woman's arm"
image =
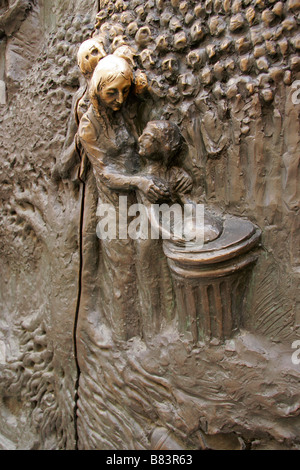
(110, 175)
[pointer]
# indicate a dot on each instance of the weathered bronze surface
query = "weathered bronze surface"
(139, 343)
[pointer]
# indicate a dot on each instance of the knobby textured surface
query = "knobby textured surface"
(226, 73)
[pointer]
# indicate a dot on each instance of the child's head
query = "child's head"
(161, 141)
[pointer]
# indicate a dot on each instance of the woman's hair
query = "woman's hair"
(108, 69)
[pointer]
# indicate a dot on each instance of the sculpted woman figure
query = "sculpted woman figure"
(109, 138)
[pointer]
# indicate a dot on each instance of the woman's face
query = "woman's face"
(115, 93)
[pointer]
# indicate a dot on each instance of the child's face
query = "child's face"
(149, 145)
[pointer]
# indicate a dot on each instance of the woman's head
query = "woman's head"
(111, 82)
(161, 140)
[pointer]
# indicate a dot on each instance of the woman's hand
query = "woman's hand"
(154, 188)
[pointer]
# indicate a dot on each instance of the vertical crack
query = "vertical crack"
(76, 396)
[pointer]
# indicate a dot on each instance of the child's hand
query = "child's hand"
(184, 183)
(154, 188)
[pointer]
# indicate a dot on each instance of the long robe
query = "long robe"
(110, 142)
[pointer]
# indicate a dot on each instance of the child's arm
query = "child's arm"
(180, 180)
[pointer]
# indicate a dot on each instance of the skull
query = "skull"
(197, 31)
(196, 58)
(118, 42)
(170, 67)
(115, 30)
(141, 83)
(143, 36)
(163, 42)
(89, 54)
(147, 58)
(127, 53)
(187, 84)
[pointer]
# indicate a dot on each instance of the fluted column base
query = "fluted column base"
(211, 283)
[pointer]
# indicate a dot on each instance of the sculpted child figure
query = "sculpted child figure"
(162, 145)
